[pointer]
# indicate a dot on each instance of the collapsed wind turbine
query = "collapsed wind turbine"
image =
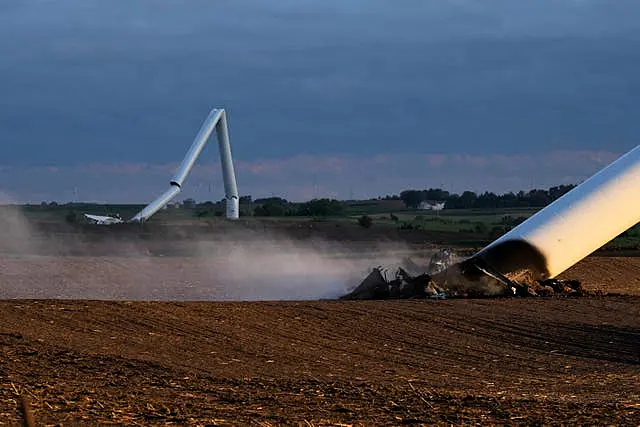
(536, 251)
(561, 234)
(216, 120)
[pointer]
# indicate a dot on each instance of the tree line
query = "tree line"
(534, 198)
(412, 199)
(275, 207)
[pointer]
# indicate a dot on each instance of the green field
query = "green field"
(477, 225)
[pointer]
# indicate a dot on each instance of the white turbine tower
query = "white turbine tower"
(217, 120)
(564, 232)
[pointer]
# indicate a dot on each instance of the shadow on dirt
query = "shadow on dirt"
(602, 342)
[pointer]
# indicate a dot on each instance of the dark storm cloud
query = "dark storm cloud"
(111, 82)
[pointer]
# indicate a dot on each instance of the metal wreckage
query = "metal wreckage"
(385, 283)
(526, 260)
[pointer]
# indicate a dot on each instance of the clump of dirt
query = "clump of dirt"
(551, 287)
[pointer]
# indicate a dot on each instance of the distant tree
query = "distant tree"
(321, 207)
(435, 194)
(508, 200)
(559, 191)
(412, 198)
(538, 198)
(486, 200)
(274, 206)
(245, 200)
(189, 203)
(468, 199)
(271, 200)
(453, 202)
(270, 209)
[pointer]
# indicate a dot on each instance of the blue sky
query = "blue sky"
(327, 98)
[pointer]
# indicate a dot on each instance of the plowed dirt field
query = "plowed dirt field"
(502, 361)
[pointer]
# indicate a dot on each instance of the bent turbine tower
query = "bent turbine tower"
(217, 120)
(563, 233)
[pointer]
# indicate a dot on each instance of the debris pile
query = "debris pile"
(550, 287)
(403, 285)
(383, 284)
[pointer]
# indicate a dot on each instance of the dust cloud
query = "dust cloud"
(274, 267)
(16, 235)
(233, 265)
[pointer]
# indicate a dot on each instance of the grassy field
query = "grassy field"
(476, 225)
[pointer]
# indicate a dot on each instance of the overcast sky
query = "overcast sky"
(325, 98)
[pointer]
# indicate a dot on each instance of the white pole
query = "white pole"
(157, 204)
(217, 120)
(198, 144)
(572, 227)
(228, 172)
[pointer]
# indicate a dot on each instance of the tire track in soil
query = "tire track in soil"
(456, 345)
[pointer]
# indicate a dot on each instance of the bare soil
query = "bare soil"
(502, 361)
(205, 278)
(610, 274)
